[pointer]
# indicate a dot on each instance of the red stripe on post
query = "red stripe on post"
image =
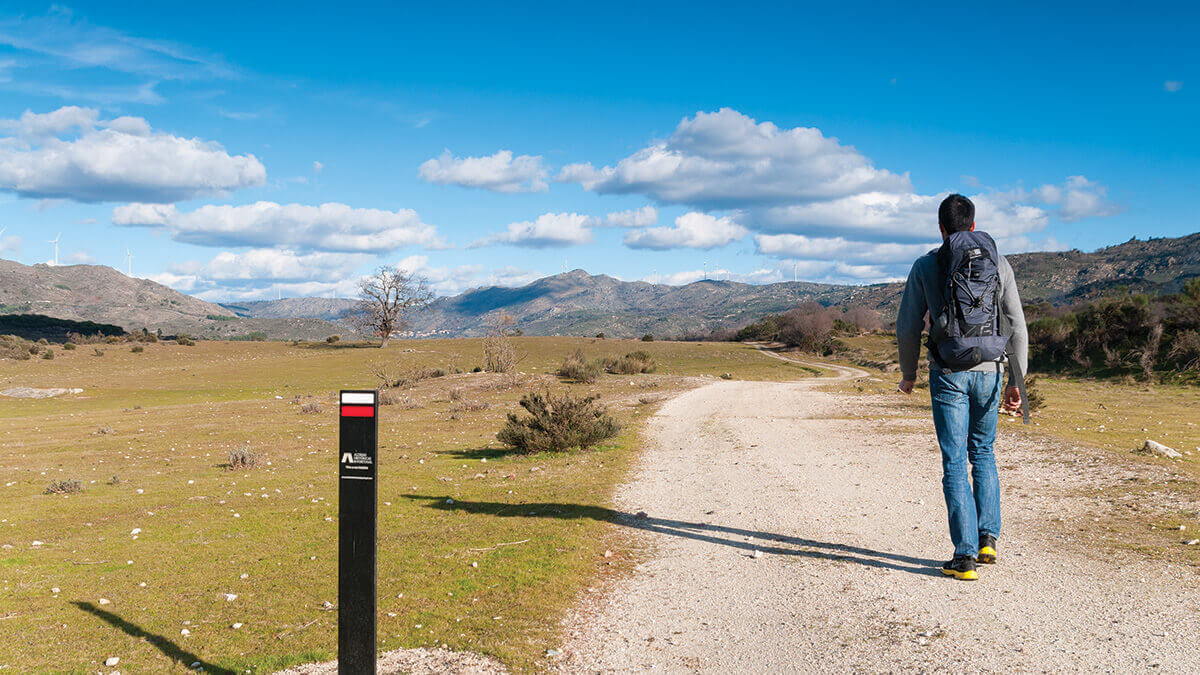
(358, 411)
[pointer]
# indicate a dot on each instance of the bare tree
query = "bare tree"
(387, 299)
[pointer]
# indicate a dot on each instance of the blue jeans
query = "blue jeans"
(965, 413)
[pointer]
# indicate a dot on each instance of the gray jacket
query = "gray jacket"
(923, 295)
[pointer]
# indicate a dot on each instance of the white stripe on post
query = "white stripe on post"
(357, 398)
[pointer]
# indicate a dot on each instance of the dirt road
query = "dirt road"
(792, 529)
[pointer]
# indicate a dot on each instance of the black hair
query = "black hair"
(956, 214)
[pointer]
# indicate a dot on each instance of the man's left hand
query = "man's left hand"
(1012, 398)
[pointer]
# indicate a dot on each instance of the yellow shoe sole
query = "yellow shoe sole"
(987, 556)
(962, 576)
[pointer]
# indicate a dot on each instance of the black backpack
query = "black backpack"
(971, 329)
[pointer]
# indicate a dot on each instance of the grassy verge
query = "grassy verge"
(167, 542)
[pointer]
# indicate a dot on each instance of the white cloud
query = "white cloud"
(328, 227)
(828, 248)
(318, 167)
(691, 230)
(10, 244)
(1077, 198)
(274, 264)
(643, 217)
(454, 280)
(550, 230)
(80, 258)
(1173, 85)
(500, 172)
(117, 160)
(728, 160)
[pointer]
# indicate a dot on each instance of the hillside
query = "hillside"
(104, 295)
(577, 303)
(572, 303)
(1154, 266)
(328, 309)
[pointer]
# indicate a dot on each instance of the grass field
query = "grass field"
(140, 558)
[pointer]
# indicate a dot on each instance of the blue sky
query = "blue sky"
(255, 150)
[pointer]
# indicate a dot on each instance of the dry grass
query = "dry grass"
(178, 410)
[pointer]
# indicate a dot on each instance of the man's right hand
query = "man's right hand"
(905, 386)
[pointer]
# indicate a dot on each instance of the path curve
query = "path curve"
(790, 529)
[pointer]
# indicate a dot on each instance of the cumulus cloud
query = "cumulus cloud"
(80, 258)
(329, 227)
(71, 154)
(266, 273)
(459, 278)
(550, 230)
(643, 217)
(839, 248)
(691, 230)
(1077, 198)
(274, 264)
(728, 160)
(10, 244)
(501, 172)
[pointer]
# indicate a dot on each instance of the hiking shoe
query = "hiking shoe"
(962, 568)
(987, 550)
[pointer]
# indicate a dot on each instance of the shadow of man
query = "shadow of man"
(766, 542)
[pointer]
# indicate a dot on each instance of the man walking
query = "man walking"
(976, 327)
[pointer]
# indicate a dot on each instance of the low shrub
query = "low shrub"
(48, 354)
(69, 346)
(96, 351)
(115, 480)
(241, 458)
(578, 369)
(311, 408)
(557, 423)
(632, 363)
(332, 339)
(65, 487)
(184, 340)
(137, 349)
(647, 338)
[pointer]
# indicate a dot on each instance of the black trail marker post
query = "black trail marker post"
(358, 470)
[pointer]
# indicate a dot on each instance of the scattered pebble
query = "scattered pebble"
(103, 601)
(112, 661)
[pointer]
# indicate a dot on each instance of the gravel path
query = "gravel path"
(785, 537)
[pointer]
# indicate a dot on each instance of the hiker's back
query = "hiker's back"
(966, 327)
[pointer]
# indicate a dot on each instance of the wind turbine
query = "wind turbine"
(55, 242)
(128, 263)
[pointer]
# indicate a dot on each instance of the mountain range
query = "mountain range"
(572, 303)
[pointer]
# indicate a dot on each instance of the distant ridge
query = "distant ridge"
(104, 295)
(571, 303)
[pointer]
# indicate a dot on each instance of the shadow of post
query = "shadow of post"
(163, 644)
(766, 542)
